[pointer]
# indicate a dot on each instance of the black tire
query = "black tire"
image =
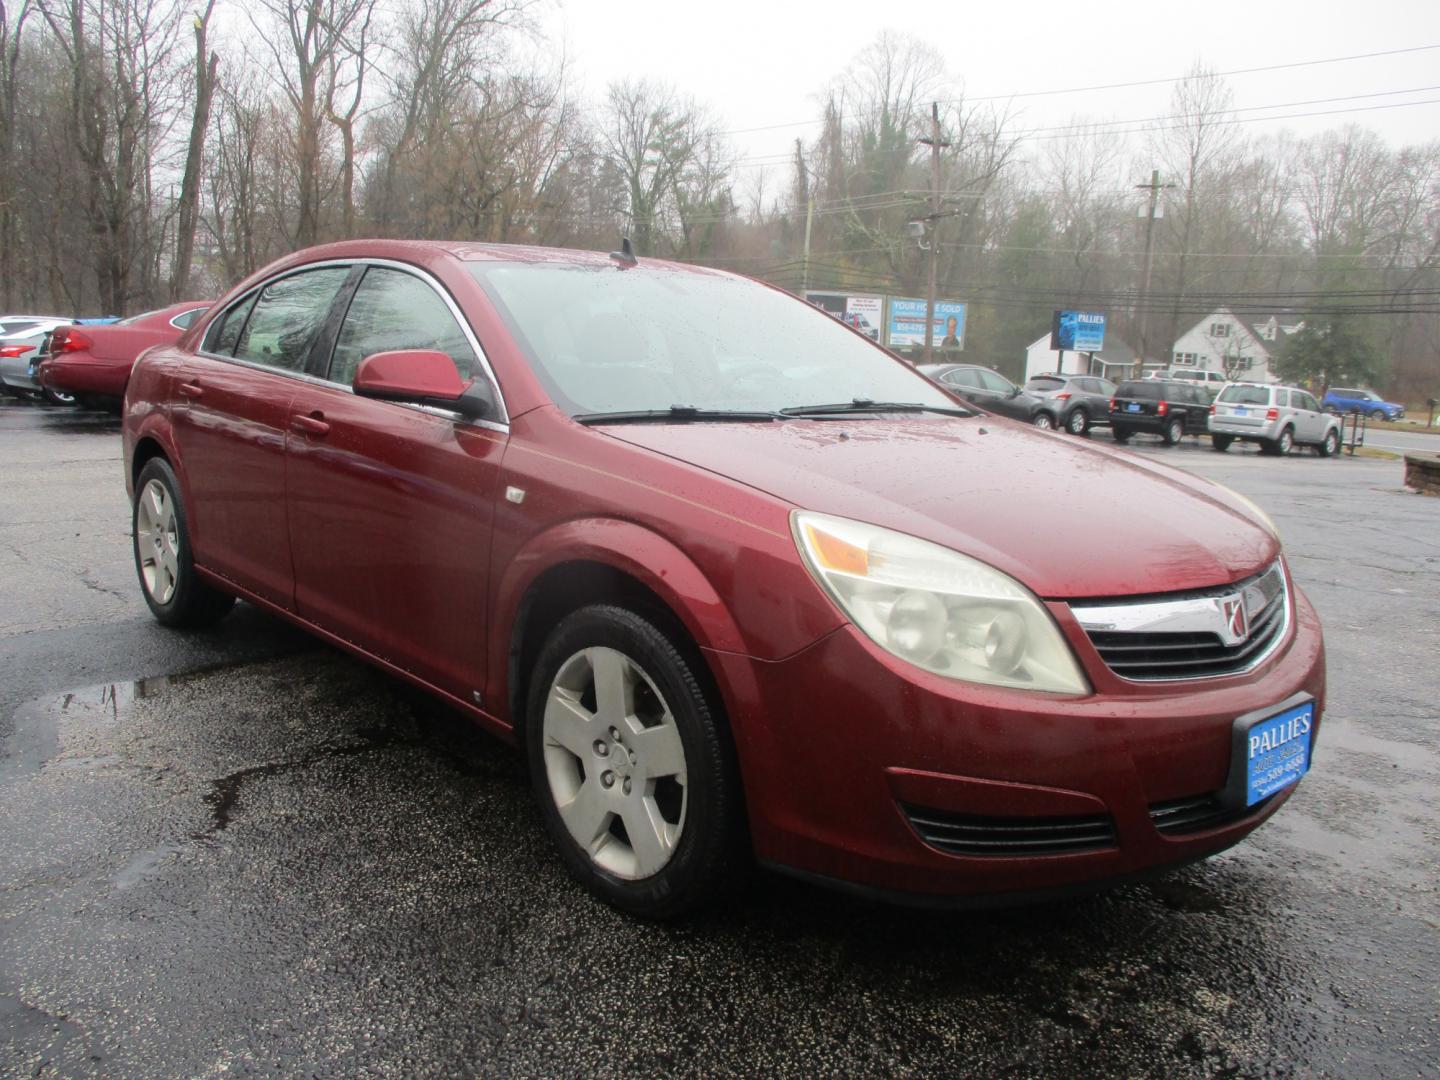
(703, 863)
(1377, 414)
(1331, 444)
(1078, 422)
(1043, 420)
(191, 603)
(1174, 431)
(1221, 442)
(1285, 442)
(1120, 434)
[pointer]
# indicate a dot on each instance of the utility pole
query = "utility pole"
(936, 144)
(809, 214)
(1154, 187)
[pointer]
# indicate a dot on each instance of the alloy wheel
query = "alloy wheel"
(614, 763)
(1286, 442)
(1078, 422)
(157, 542)
(1042, 421)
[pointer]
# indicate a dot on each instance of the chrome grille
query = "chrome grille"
(970, 834)
(1177, 817)
(1194, 635)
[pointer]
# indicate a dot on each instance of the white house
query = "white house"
(1223, 342)
(1113, 362)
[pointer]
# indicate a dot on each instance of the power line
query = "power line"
(1120, 86)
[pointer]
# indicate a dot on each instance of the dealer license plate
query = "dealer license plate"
(1131, 406)
(1277, 752)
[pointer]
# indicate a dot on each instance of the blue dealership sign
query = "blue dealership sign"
(1080, 331)
(907, 323)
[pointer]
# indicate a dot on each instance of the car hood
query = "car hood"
(1068, 518)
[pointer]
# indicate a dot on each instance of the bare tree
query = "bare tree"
(207, 65)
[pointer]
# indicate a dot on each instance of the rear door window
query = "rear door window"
(962, 377)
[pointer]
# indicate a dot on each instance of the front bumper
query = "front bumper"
(843, 748)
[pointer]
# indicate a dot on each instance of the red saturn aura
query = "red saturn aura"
(742, 584)
(93, 362)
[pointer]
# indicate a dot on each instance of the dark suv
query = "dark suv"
(1170, 409)
(1075, 402)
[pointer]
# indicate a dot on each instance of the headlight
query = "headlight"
(936, 608)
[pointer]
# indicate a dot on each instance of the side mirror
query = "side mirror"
(423, 377)
(1014, 392)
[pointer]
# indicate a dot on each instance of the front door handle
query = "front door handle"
(191, 389)
(314, 424)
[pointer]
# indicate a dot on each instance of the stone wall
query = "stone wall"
(1422, 472)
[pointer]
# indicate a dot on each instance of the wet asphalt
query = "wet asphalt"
(243, 853)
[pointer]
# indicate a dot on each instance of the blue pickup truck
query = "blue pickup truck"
(1340, 399)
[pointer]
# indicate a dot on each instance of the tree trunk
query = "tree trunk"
(187, 211)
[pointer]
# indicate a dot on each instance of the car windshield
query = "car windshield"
(603, 340)
(1044, 384)
(1245, 395)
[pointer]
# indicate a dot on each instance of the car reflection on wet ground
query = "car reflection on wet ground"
(287, 862)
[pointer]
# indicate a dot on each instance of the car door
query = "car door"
(390, 504)
(1310, 422)
(230, 419)
(1005, 397)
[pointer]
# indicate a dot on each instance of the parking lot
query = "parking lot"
(241, 851)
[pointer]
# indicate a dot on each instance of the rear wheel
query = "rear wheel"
(633, 771)
(174, 592)
(57, 397)
(1285, 443)
(1043, 420)
(1174, 431)
(1078, 422)
(1331, 445)
(1221, 442)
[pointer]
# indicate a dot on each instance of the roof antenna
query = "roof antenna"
(626, 255)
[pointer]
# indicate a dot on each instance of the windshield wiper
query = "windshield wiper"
(678, 414)
(865, 405)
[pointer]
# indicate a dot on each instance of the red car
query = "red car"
(93, 362)
(740, 583)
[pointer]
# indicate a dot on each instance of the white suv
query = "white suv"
(1276, 417)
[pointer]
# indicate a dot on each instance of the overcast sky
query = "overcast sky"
(758, 63)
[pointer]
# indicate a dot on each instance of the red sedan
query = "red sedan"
(741, 583)
(93, 362)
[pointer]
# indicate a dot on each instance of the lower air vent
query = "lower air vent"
(1197, 813)
(967, 834)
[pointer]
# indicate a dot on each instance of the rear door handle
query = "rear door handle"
(191, 389)
(314, 424)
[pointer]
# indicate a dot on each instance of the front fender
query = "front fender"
(629, 548)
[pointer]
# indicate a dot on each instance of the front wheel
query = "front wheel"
(174, 592)
(1043, 420)
(1377, 414)
(1221, 442)
(632, 768)
(1078, 422)
(1331, 445)
(1174, 431)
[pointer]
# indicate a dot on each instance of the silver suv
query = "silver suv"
(1276, 417)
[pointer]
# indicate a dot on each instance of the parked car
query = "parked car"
(93, 361)
(991, 391)
(15, 324)
(1168, 408)
(18, 354)
(858, 321)
(1276, 417)
(740, 582)
(1340, 399)
(1074, 402)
